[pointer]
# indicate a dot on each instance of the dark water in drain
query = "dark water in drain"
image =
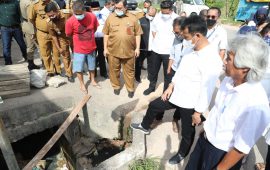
(26, 148)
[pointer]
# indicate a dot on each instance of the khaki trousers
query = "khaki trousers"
(48, 52)
(128, 65)
(31, 45)
(66, 59)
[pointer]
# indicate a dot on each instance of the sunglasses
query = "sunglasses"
(211, 16)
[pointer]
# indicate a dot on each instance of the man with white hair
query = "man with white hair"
(236, 121)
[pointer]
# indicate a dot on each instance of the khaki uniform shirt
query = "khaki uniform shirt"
(139, 15)
(57, 27)
(122, 32)
(27, 27)
(38, 16)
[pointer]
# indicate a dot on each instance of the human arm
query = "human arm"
(222, 54)
(154, 34)
(167, 93)
(106, 31)
(170, 66)
(56, 43)
(230, 159)
(138, 41)
(105, 42)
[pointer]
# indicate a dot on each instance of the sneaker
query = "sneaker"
(176, 159)
(148, 91)
(71, 79)
(116, 91)
(138, 126)
(130, 94)
(22, 61)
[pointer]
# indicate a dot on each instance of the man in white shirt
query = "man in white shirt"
(107, 9)
(216, 34)
(241, 111)
(101, 62)
(191, 89)
(162, 43)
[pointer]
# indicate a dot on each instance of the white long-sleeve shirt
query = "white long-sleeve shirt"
(164, 37)
(239, 116)
(195, 79)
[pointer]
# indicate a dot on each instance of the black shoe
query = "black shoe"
(138, 126)
(138, 80)
(50, 74)
(148, 91)
(176, 159)
(61, 74)
(130, 94)
(105, 76)
(116, 91)
(32, 67)
(71, 79)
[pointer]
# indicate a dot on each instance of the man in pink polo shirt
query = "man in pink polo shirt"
(82, 26)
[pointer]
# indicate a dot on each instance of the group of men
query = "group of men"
(191, 49)
(196, 57)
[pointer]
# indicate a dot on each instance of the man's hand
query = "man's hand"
(169, 70)
(61, 51)
(196, 119)
(106, 53)
(137, 52)
(167, 93)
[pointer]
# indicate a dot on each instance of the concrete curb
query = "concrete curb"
(136, 150)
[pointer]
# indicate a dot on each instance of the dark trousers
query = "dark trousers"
(101, 58)
(7, 34)
(153, 65)
(158, 106)
(175, 116)
(205, 156)
(267, 164)
(139, 63)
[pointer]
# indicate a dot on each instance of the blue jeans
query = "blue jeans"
(7, 34)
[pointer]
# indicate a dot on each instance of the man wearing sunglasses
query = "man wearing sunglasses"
(216, 34)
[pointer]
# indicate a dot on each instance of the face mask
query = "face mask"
(52, 17)
(211, 22)
(111, 9)
(178, 37)
(96, 13)
(119, 13)
(165, 16)
(149, 17)
(80, 17)
(145, 10)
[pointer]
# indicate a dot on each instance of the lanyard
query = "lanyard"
(212, 33)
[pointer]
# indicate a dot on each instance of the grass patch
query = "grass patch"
(145, 164)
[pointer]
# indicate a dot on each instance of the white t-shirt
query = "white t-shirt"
(163, 40)
(217, 36)
(195, 79)
(239, 116)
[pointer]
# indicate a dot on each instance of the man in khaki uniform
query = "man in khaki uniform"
(146, 6)
(29, 33)
(39, 18)
(56, 25)
(122, 36)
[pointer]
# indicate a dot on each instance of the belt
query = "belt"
(14, 26)
(43, 31)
